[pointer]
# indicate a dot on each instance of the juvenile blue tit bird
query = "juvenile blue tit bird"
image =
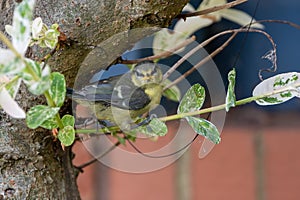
(120, 100)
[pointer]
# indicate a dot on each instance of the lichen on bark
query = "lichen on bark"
(33, 166)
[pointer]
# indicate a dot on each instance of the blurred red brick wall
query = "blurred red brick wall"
(253, 162)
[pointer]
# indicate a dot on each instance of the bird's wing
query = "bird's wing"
(119, 93)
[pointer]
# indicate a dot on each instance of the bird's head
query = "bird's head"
(146, 73)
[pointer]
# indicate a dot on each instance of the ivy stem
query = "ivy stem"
(50, 101)
(9, 44)
(223, 106)
(206, 110)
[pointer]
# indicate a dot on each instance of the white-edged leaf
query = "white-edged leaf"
(205, 128)
(50, 124)
(39, 87)
(58, 88)
(210, 3)
(67, 135)
(38, 114)
(173, 93)
(9, 30)
(192, 100)
(13, 86)
(239, 17)
(36, 27)
(189, 8)
(68, 120)
(6, 56)
(21, 27)
(154, 128)
(166, 39)
(36, 87)
(51, 38)
(10, 105)
(290, 80)
(230, 96)
(9, 63)
(191, 24)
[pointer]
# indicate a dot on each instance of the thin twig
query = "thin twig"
(212, 9)
(223, 106)
(80, 167)
(272, 53)
(163, 54)
(277, 21)
(207, 58)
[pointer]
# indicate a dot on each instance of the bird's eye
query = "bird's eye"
(154, 71)
(139, 74)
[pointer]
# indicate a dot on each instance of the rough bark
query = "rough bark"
(33, 166)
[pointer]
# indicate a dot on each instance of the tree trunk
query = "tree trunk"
(33, 166)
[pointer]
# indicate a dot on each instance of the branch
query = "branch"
(212, 9)
(80, 167)
(223, 106)
(277, 21)
(207, 58)
(163, 54)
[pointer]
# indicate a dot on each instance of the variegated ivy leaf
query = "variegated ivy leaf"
(9, 63)
(58, 88)
(39, 84)
(230, 96)
(9, 105)
(50, 124)
(154, 128)
(289, 81)
(37, 115)
(205, 128)
(13, 85)
(36, 27)
(51, 36)
(231, 14)
(68, 120)
(165, 39)
(173, 93)
(44, 36)
(239, 17)
(192, 100)
(20, 29)
(66, 135)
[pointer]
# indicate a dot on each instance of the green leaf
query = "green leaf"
(172, 93)
(50, 124)
(154, 128)
(66, 135)
(36, 87)
(58, 88)
(37, 115)
(9, 64)
(230, 97)
(13, 86)
(121, 140)
(192, 100)
(289, 81)
(51, 38)
(39, 87)
(205, 128)
(68, 120)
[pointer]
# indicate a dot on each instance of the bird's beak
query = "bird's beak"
(147, 78)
